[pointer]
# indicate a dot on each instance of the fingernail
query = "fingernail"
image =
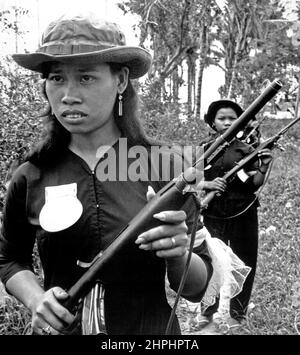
(150, 190)
(161, 216)
(140, 240)
(144, 247)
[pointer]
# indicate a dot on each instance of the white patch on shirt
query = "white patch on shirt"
(243, 176)
(62, 208)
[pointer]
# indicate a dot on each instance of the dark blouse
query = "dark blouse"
(238, 194)
(135, 300)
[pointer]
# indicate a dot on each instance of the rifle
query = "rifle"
(228, 136)
(247, 139)
(171, 197)
(269, 143)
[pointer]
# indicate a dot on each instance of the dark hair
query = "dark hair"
(56, 138)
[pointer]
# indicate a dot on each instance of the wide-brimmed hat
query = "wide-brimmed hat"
(86, 39)
(215, 106)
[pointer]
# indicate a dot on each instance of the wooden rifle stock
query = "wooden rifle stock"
(267, 144)
(171, 197)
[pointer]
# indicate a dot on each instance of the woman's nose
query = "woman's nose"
(71, 95)
(227, 123)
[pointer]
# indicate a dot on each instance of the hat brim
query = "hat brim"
(137, 59)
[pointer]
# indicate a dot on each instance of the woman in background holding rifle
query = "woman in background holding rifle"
(57, 197)
(232, 216)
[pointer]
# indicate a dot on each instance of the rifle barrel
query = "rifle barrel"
(287, 127)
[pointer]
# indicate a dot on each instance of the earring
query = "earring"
(120, 105)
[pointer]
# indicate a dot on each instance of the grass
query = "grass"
(276, 293)
(14, 318)
(278, 259)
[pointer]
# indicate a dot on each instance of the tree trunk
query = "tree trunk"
(189, 85)
(175, 86)
(203, 56)
(233, 75)
(16, 28)
(240, 46)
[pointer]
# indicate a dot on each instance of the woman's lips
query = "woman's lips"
(73, 116)
(73, 113)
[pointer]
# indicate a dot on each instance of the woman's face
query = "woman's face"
(82, 96)
(224, 119)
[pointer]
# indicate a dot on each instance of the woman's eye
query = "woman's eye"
(86, 79)
(56, 78)
(229, 118)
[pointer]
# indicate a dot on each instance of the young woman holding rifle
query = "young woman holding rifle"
(232, 216)
(58, 199)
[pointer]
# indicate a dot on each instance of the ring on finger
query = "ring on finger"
(46, 330)
(173, 242)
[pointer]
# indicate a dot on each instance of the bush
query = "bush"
(174, 127)
(21, 104)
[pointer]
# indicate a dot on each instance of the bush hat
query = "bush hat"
(215, 106)
(86, 39)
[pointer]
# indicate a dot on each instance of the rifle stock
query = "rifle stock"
(171, 197)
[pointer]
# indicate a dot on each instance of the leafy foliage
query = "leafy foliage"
(243, 39)
(174, 34)
(20, 105)
(8, 18)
